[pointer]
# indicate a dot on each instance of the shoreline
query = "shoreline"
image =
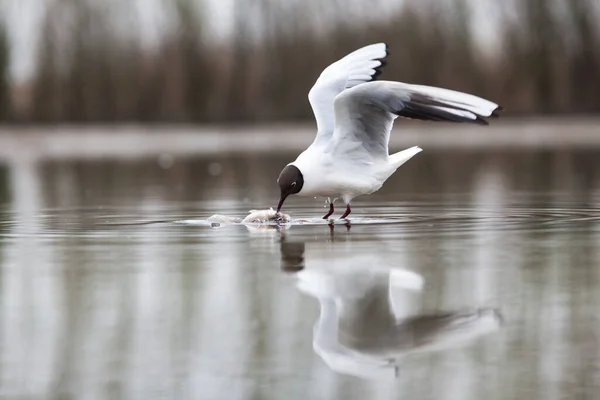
(131, 141)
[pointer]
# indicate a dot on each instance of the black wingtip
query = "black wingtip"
(378, 70)
(496, 112)
(480, 121)
(383, 61)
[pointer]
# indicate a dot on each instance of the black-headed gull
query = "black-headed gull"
(349, 156)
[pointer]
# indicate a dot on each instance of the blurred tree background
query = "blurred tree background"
(93, 66)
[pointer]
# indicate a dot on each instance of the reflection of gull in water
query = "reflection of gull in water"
(369, 319)
(292, 255)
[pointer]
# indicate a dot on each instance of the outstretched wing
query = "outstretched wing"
(365, 114)
(360, 66)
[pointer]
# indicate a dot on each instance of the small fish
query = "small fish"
(264, 216)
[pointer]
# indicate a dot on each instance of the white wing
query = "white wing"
(362, 65)
(364, 115)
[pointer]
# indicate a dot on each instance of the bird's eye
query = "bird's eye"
(293, 184)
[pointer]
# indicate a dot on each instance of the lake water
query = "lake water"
(474, 273)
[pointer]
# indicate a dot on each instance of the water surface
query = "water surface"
(103, 295)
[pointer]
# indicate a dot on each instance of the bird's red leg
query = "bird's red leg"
(330, 211)
(348, 211)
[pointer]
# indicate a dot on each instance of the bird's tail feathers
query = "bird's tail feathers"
(397, 159)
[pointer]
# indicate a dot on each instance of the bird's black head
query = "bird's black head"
(290, 182)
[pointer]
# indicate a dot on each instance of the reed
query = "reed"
(547, 61)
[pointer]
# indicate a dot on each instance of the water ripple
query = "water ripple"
(415, 218)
